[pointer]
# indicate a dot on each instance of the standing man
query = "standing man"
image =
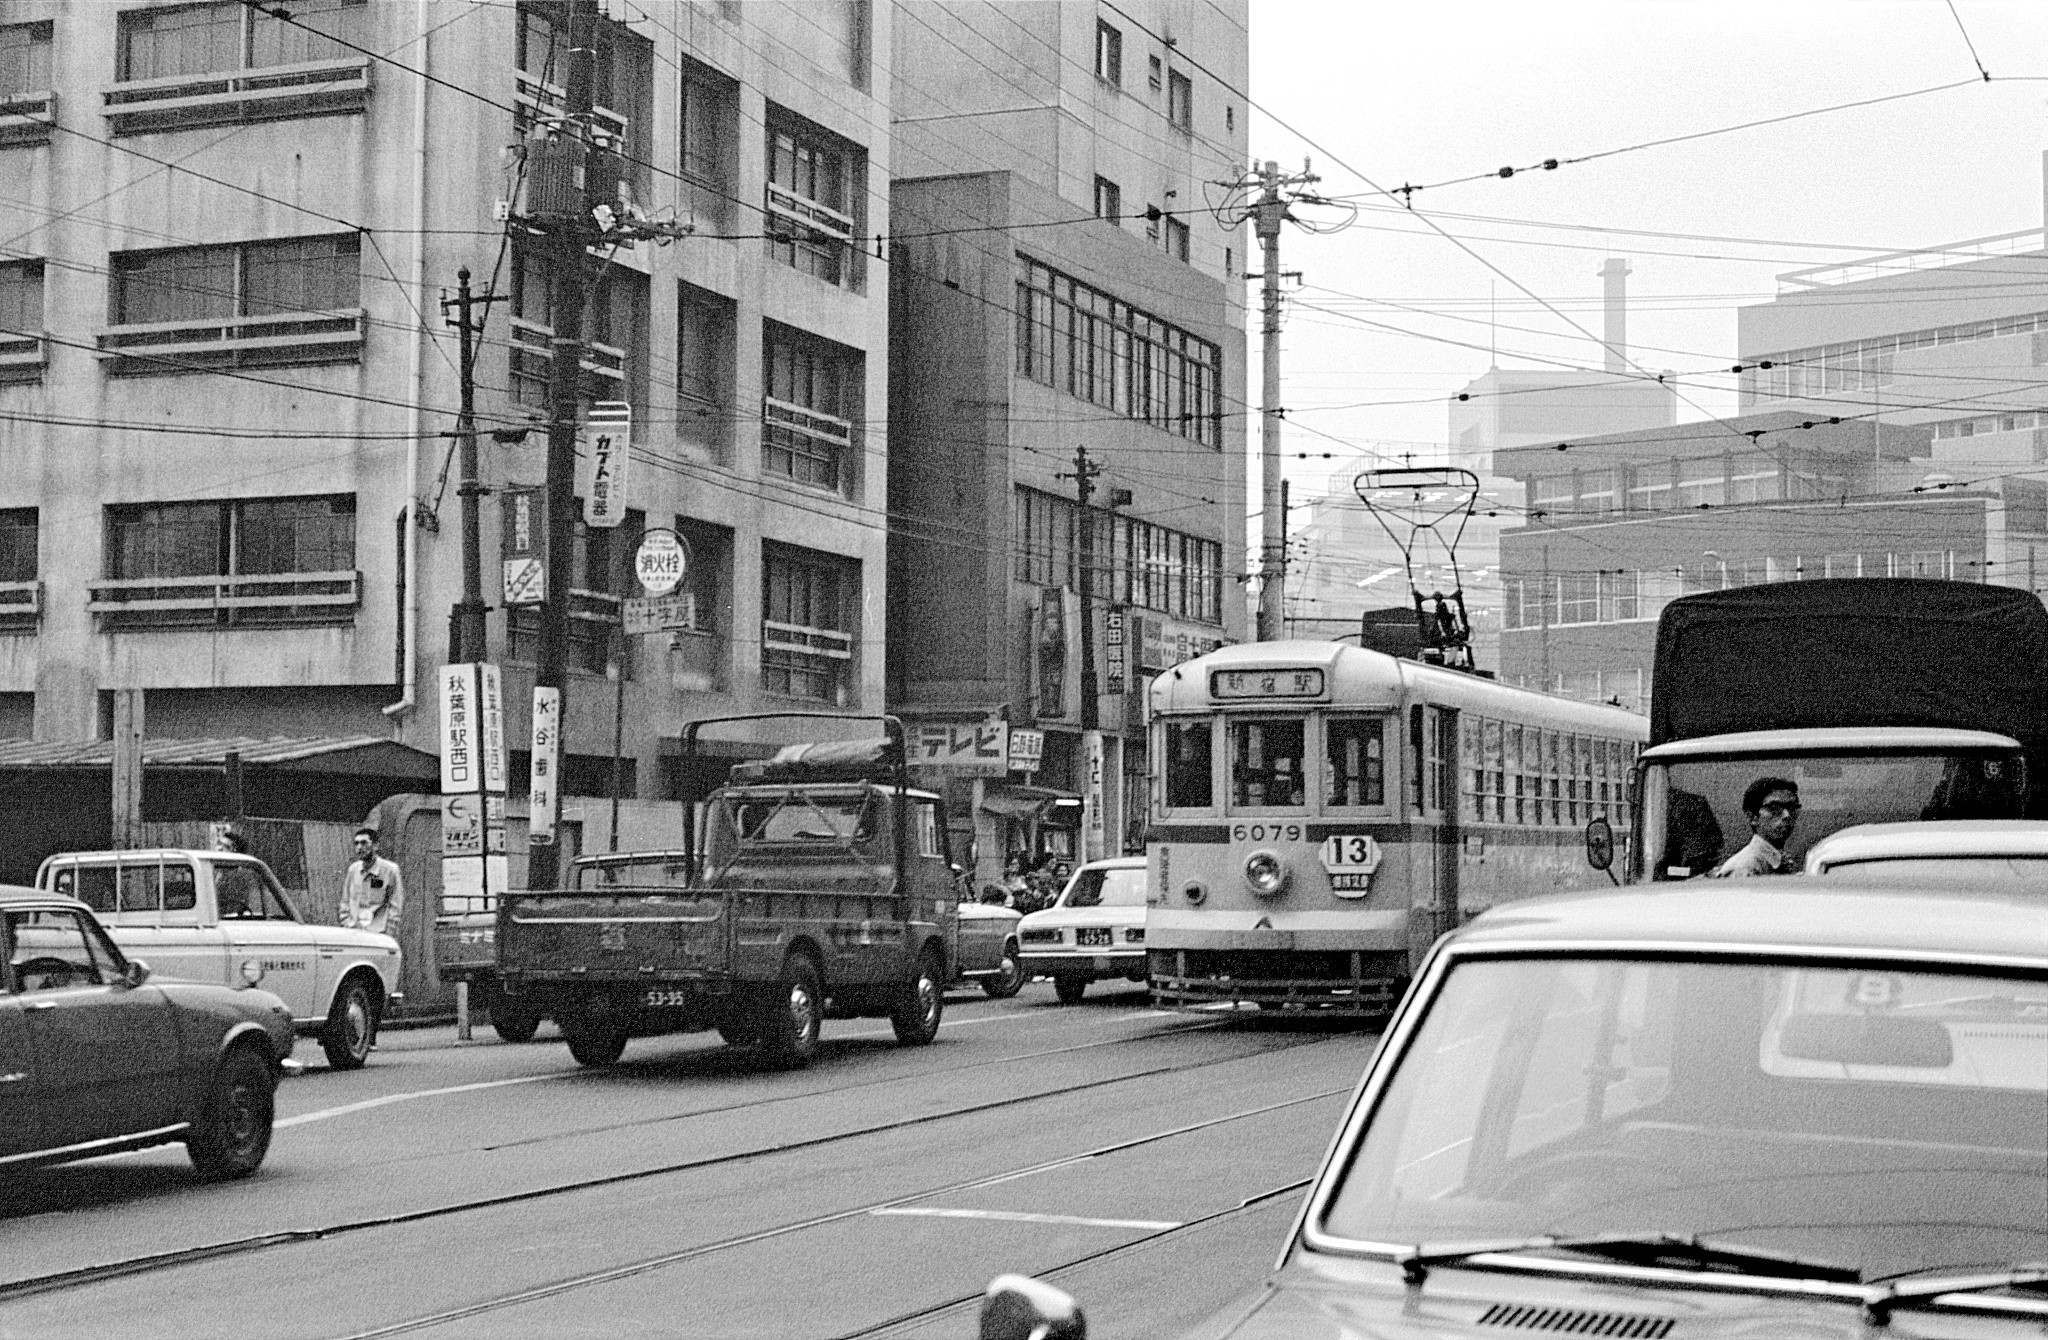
(1772, 804)
(373, 893)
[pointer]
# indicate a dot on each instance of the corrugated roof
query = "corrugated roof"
(211, 752)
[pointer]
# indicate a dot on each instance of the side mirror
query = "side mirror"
(1018, 1307)
(135, 974)
(1599, 843)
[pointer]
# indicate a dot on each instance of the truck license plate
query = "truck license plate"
(655, 997)
(1092, 935)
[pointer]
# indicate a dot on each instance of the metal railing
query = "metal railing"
(265, 598)
(236, 95)
(280, 337)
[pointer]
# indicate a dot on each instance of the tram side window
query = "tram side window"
(1266, 762)
(1190, 776)
(1496, 773)
(1514, 767)
(1356, 763)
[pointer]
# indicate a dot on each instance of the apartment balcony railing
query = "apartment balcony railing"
(310, 88)
(240, 341)
(821, 219)
(27, 118)
(533, 341)
(21, 606)
(799, 640)
(539, 101)
(23, 357)
(253, 600)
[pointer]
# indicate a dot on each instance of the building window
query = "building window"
(707, 133)
(705, 369)
(1177, 239)
(213, 38)
(809, 624)
(618, 311)
(700, 651)
(294, 300)
(621, 83)
(1109, 54)
(1230, 118)
(22, 351)
(813, 199)
(253, 562)
(1153, 68)
(811, 389)
(20, 592)
(24, 60)
(1080, 340)
(1136, 562)
(1180, 100)
(1109, 200)
(601, 570)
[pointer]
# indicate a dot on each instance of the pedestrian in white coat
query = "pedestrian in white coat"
(373, 893)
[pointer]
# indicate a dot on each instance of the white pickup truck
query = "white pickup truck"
(213, 916)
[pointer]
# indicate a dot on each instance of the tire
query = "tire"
(1010, 980)
(512, 1020)
(231, 1132)
(1070, 989)
(595, 1039)
(789, 1015)
(922, 1003)
(351, 1025)
(740, 1032)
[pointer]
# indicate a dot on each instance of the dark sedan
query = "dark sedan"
(97, 1056)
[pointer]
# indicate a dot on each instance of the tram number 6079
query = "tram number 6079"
(1265, 833)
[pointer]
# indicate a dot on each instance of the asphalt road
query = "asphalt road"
(1149, 1163)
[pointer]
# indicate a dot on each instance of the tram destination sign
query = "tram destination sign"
(1256, 684)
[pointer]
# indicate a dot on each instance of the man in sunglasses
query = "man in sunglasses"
(1772, 804)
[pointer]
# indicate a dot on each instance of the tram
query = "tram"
(1320, 813)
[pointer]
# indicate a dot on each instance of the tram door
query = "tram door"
(1433, 737)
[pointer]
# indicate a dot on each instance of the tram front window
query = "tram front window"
(1266, 763)
(1355, 762)
(1189, 773)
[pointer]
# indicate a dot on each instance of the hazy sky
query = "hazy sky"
(1425, 91)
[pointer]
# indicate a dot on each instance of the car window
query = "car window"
(181, 893)
(141, 886)
(51, 951)
(94, 886)
(1107, 888)
(243, 894)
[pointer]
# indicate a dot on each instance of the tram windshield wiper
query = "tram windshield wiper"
(1925, 1289)
(1672, 1251)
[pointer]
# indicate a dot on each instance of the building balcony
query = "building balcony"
(798, 640)
(267, 599)
(21, 606)
(177, 102)
(27, 118)
(540, 102)
(243, 342)
(808, 214)
(605, 362)
(23, 357)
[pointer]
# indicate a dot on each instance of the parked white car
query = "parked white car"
(1095, 931)
(1970, 852)
(212, 916)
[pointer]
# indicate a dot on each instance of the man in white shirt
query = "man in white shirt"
(1772, 804)
(373, 893)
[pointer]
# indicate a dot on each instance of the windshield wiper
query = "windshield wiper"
(1912, 1291)
(1671, 1250)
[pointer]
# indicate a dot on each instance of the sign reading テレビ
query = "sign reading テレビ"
(661, 561)
(969, 748)
(1266, 684)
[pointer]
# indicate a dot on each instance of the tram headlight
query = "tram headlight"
(1265, 873)
(1195, 891)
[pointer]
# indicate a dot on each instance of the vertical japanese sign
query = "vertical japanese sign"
(611, 439)
(1114, 659)
(1093, 819)
(491, 716)
(462, 785)
(544, 795)
(525, 545)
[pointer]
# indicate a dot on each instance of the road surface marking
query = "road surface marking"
(1019, 1217)
(326, 1114)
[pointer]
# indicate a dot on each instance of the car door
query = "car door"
(158, 920)
(105, 1053)
(258, 924)
(20, 1127)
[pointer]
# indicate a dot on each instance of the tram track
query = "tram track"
(158, 1262)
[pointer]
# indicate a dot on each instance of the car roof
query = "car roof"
(1834, 739)
(132, 854)
(13, 894)
(1117, 863)
(1794, 913)
(1944, 837)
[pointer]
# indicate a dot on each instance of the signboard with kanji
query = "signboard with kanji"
(611, 437)
(968, 748)
(1027, 750)
(525, 546)
(659, 614)
(544, 794)
(661, 561)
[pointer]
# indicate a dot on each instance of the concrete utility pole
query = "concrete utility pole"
(1268, 213)
(1092, 819)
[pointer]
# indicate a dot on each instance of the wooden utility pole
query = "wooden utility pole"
(1268, 212)
(466, 631)
(1095, 783)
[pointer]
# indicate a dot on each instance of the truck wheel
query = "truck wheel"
(351, 1026)
(790, 1014)
(231, 1132)
(1010, 980)
(1070, 988)
(740, 1032)
(922, 1004)
(513, 1021)
(594, 1040)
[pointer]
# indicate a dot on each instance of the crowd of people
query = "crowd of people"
(1028, 885)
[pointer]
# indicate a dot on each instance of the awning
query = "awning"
(1024, 803)
(360, 755)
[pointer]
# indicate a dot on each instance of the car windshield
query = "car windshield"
(1921, 870)
(1696, 806)
(1889, 1121)
(1106, 888)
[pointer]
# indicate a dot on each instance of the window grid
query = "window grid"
(807, 624)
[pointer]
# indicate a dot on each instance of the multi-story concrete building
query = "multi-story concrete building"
(227, 388)
(1059, 283)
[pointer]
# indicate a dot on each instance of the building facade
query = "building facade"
(1058, 289)
(228, 387)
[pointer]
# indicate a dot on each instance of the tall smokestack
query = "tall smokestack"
(1615, 272)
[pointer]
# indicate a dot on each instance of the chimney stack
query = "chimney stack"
(1615, 272)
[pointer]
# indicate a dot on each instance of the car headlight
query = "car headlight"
(1265, 873)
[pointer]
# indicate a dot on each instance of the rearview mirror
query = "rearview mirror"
(1599, 843)
(1018, 1307)
(135, 974)
(1867, 1039)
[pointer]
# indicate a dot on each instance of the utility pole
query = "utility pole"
(1092, 819)
(466, 634)
(1268, 212)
